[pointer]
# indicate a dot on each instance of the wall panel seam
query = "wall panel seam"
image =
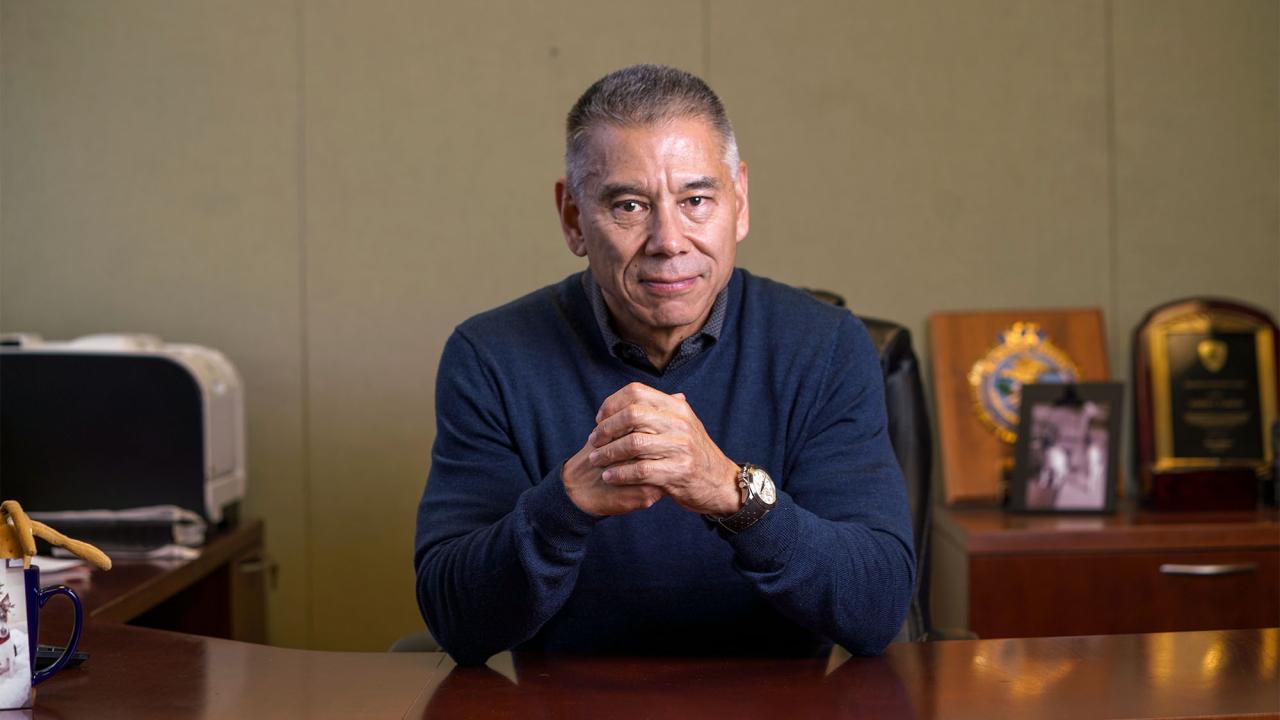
(304, 319)
(1113, 192)
(706, 40)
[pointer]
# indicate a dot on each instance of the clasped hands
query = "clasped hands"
(646, 445)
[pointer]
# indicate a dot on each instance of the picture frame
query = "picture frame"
(1067, 454)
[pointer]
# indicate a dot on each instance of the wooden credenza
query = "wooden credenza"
(221, 593)
(1006, 575)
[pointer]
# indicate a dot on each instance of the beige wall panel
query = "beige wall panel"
(1197, 155)
(2, 134)
(434, 134)
(922, 156)
(149, 180)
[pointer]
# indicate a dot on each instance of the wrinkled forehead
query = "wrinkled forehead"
(634, 153)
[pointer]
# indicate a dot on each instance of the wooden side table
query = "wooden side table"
(1007, 575)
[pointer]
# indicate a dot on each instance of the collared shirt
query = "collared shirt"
(633, 354)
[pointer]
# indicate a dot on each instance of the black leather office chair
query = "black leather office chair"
(912, 439)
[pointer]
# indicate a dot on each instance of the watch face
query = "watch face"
(762, 485)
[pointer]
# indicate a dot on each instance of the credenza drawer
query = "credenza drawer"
(1026, 595)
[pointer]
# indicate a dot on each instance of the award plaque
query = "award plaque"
(980, 362)
(1204, 404)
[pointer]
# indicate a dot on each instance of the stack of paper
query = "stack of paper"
(156, 532)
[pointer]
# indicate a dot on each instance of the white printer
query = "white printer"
(119, 421)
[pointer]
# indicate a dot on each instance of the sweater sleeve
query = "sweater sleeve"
(496, 553)
(835, 555)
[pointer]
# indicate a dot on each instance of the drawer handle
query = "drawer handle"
(259, 565)
(1208, 570)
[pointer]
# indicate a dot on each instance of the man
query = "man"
(661, 454)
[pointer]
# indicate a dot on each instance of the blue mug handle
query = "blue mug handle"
(43, 597)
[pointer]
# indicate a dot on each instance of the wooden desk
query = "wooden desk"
(139, 673)
(222, 593)
(142, 673)
(1006, 575)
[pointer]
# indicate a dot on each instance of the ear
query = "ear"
(744, 207)
(570, 222)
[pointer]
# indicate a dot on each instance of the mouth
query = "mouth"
(669, 286)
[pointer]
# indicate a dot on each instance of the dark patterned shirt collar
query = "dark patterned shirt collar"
(633, 354)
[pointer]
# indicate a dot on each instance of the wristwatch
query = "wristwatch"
(761, 496)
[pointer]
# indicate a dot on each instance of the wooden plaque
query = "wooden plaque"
(974, 457)
(1205, 398)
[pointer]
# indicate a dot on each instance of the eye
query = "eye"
(698, 208)
(628, 211)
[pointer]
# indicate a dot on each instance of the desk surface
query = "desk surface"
(141, 673)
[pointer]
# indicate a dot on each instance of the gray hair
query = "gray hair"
(642, 95)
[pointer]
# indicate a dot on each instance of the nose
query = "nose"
(666, 231)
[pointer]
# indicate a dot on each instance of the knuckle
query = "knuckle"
(639, 441)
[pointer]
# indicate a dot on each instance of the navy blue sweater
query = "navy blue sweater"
(506, 560)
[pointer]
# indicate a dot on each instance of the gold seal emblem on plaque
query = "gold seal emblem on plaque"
(1213, 354)
(1022, 356)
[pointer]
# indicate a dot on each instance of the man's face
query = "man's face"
(659, 221)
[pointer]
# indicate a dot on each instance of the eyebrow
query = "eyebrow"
(706, 182)
(613, 190)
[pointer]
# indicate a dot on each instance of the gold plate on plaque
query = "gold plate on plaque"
(1213, 393)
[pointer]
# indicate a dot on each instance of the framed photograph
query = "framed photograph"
(1066, 458)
